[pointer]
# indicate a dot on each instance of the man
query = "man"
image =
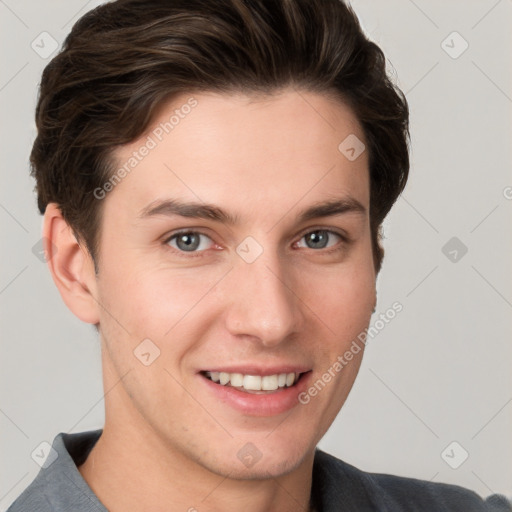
(213, 176)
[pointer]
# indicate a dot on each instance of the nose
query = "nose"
(264, 304)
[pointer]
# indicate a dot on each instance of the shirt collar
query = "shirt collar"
(63, 485)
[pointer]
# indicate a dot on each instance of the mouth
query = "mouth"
(255, 390)
(256, 384)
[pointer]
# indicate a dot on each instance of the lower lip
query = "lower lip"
(264, 404)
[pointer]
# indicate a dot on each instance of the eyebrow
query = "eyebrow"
(171, 207)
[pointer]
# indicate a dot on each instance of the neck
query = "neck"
(131, 470)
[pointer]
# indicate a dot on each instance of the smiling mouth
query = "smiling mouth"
(255, 383)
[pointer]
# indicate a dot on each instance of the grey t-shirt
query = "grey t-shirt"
(337, 487)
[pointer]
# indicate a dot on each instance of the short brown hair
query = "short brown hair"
(123, 59)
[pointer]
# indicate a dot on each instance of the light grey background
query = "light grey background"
(437, 373)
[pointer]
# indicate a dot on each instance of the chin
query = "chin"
(251, 463)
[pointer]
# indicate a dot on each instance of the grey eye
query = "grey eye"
(189, 241)
(320, 239)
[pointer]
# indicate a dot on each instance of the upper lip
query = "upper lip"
(254, 369)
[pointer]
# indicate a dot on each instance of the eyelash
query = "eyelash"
(344, 239)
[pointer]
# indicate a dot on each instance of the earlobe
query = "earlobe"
(71, 266)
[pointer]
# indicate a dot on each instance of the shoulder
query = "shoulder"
(32, 499)
(423, 495)
(383, 492)
(58, 486)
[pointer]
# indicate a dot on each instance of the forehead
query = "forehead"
(245, 150)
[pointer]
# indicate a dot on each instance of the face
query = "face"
(265, 278)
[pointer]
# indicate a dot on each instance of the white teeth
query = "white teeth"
(254, 382)
(269, 382)
(237, 380)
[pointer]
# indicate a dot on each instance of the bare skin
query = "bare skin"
(169, 442)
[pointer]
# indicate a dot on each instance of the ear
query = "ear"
(71, 266)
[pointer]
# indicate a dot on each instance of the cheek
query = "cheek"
(343, 310)
(159, 304)
(345, 299)
(345, 307)
(156, 305)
